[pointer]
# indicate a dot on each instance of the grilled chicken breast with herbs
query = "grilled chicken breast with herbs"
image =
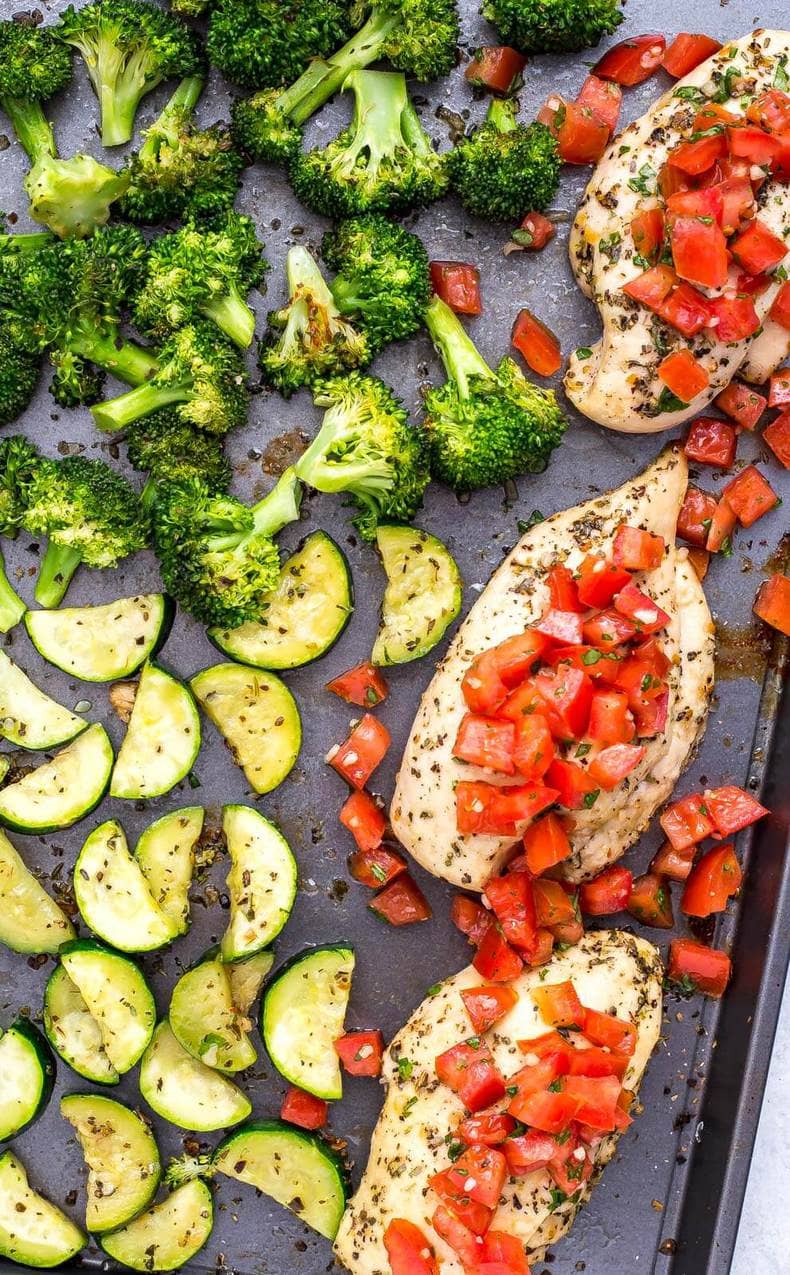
(613, 972)
(617, 383)
(423, 811)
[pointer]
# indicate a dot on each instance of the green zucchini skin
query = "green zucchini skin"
(50, 1239)
(134, 1169)
(136, 1246)
(423, 595)
(257, 716)
(184, 1090)
(141, 771)
(328, 1000)
(90, 752)
(29, 718)
(262, 882)
(130, 990)
(50, 645)
(67, 1020)
(40, 1073)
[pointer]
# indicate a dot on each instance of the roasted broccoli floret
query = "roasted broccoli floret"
(202, 271)
(18, 461)
(483, 427)
(384, 162)
(128, 46)
(217, 555)
(88, 512)
(552, 26)
(308, 339)
(367, 448)
(199, 371)
(181, 170)
(416, 36)
(68, 299)
(505, 169)
(71, 196)
(265, 43)
(383, 277)
(19, 371)
(190, 8)
(170, 449)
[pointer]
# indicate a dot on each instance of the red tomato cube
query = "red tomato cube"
(599, 580)
(603, 98)
(303, 1109)
(683, 375)
(608, 892)
(537, 344)
(408, 1249)
(641, 610)
(772, 603)
(363, 685)
(732, 809)
(742, 404)
(652, 287)
(573, 784)
(637, 549)
(698, 968)
(470, 1071)
(633, 60)
(362, 752)
(750, 496)
(486, 1005)
(699, 251)
(777, 436)
(361, 1053)
(495, 959)
(733, 317)
(712, 881)
(711, 442)
(647, 232)
(650, 901)
(780, 310)
(779, 388)
(402, 902)
(695, 517)
(610, 1032)
(366, 821)
(496, 67)
(613, 764)
(377, 867)
(487, 742)
(757, 248)
(546, 844)
(458, 285)
(686, 52)
(534, 232)
(722, 525)
(687, 822)
(559, 1005)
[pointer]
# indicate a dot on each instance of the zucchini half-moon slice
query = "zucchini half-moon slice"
(102, 643)
(62, 791)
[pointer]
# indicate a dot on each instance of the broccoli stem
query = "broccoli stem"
(322, 79)
(232, 314)
(57, 569)
(30, 241)
(32, 128)
(502, 114)
(125, 360)
(119, 412)
(461, 357)
(12, 608)
(280, 507)
(183, 102)
(380, 100)
(303, 275)
(120, 89)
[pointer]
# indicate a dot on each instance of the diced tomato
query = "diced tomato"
(571, 1165)
(582, 136)
(458, 285)
(685, 309)
(608, 629)
(533, 751)
(713, 114)
(361, 1053)
(647, 232)
(563, 592)
(780, 309)
(567, 693)
(697, 156)
(477, 1217)
(770, 110)
(548, 1111)
(722, 525)
(757, 248)
(486, 1005)
(537, 344)
(545, 1046)
(470, 1071)
(711, 442)
(607, 893)
(599, 580)
(303, 1109)
(737, 203)
(697, 967)
(524, 701)
(687, 822)
(364, 750)
(561, 626)
(485, 741)
(700, 561)
(750, 495)
(449, 1227)
(651, 287)
(633, 60)
(686, 52)
(713, 880)
(377, 867)
(672, 182)
(495, 959)
(603, 98)
(363, 685)
(641, 682)
(699, 251)
(543, 948)
(534, 232)
(772, 604)
(753, 284)
(498, 670)
(496, 67)
(408, 1250)
(600, 665)
(706, 202)
(402, 902)
(752, 144)
(487, 808)
(559, 1005)
(641, 610)
(506, 1252)
(574, 786)
(610, 1032)
(528, 1152)
(612, 765)
(732, 809)
(611, 721)
(570, 932)
(593, 1061)
(672, 863)
(637, 549)
(733, 317)
(470, 917)
(513, 904)
(651, 719)
(546, 844)
(741, 403)
(488, 1129)
(552, 905)
(480, 1173)
(683, 375)
(779, 391)
(777, 436)
(695, 517)
(366, 821)
(595, 1098)
(650, 901)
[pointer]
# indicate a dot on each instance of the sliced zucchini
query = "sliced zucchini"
(113, 896)
(27, 1074)
(297, 1169)
(30, 921)
(422, 597)
(32, 1231)
(302, 1016)
(103, 643)
(166, 854)
(258, 717)
(163, 738)
(122, 1158)
(261, 882)
(62, 791)
(28, 717)
(184, 1090)
(73, 1032)
(5, 766)
(168, 1234)
(117, 996)
(205, 1020)
(247, 978)
(303, 617)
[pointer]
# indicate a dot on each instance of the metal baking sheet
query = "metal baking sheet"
(670, 1199)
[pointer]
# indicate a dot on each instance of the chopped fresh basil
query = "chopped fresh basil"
(434, 990)
(584, 352)
(690, 94)
(611, 246)
(781, 77)
(558, 1197)
(582, 750)
(669, 402)
(591, 657)
(534, 518)
(405, 1068)
(590, 798)
(641, 183)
